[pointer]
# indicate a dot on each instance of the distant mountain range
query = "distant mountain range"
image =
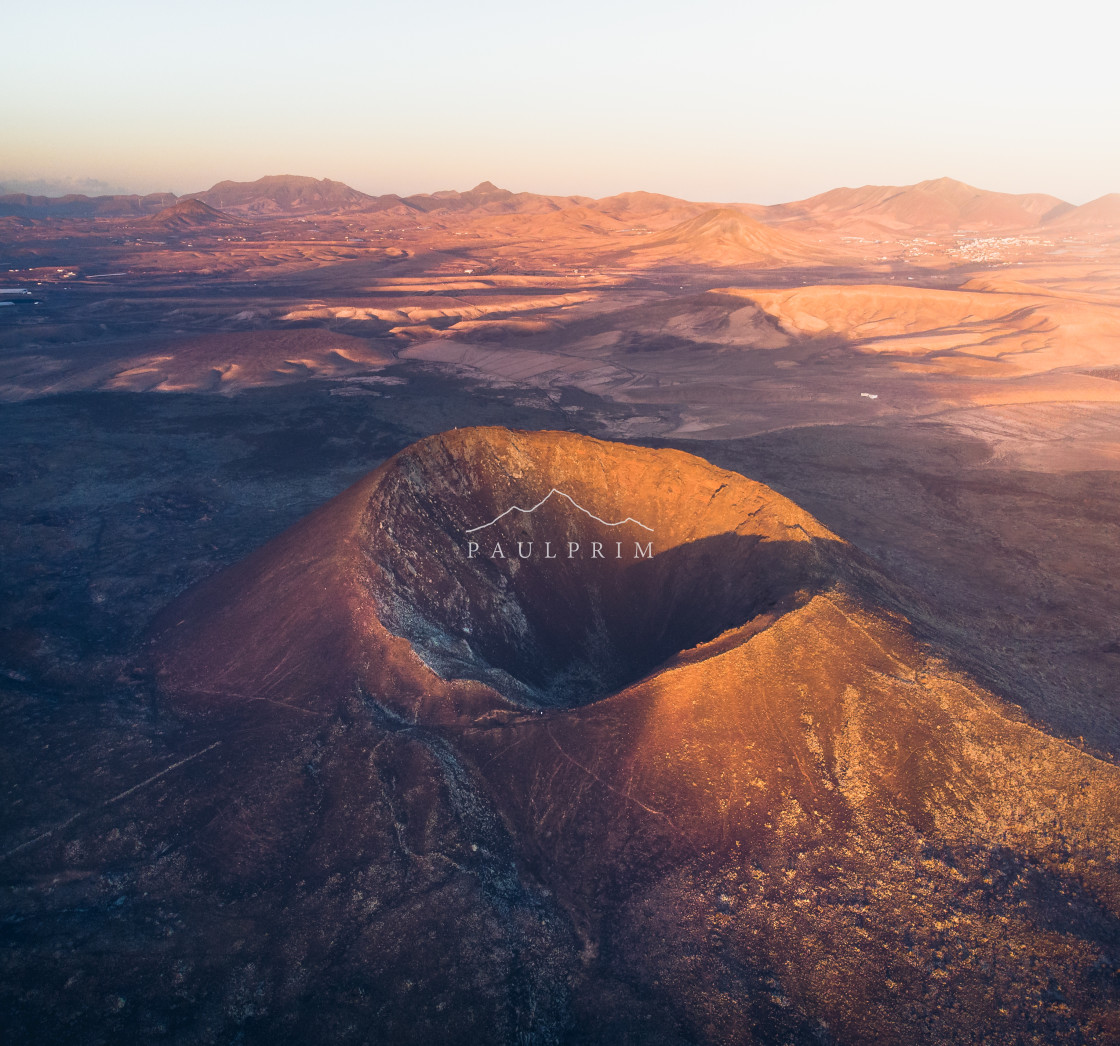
(939, 205)
(77, 205)
(283, 194)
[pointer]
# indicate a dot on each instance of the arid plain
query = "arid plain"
(196, 848)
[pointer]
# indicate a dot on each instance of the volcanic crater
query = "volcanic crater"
(559, 595)
(554, 569)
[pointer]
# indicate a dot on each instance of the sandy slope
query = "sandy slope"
(969, 332)
(221, 362)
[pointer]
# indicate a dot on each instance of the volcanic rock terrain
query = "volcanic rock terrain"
(738, 790)
(289, 769)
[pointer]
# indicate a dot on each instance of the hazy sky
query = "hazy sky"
(713, 101)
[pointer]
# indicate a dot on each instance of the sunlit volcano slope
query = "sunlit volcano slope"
(755, 797)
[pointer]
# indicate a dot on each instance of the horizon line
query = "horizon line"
(94, 192)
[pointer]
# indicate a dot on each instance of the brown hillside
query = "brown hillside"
(1099, 215)
(937, 205)
(283, 194)
(487, 198)
(724, 237)
(188, 214)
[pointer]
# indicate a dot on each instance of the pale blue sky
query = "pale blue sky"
(715, 101)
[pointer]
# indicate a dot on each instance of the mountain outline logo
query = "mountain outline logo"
(554, 490)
